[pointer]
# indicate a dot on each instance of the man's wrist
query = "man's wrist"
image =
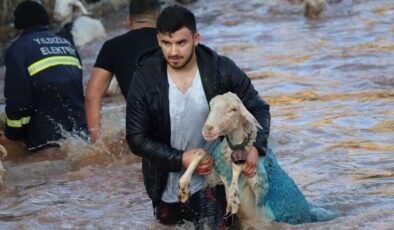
(94, 130)
(261, 150)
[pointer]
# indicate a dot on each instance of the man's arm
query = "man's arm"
(240, 84)
(95, 91)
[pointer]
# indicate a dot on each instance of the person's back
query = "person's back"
(43, 84)
(118, 57)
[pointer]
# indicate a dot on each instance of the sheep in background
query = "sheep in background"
(313, 8)
(84, 29)
(113, 88)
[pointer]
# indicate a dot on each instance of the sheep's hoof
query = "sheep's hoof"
(184, 191)
(233, 202)
(232, 208)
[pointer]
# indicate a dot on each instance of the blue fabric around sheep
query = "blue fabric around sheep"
(286, 201)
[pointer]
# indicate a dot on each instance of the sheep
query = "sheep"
(313, 8)
(113, 88)
(270, 195)
(84, 28)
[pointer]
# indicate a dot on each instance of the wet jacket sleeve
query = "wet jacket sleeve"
(18, 94)
(239, 83)
(138, 129)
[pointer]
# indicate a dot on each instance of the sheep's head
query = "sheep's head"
(313, 8)
(226, 115)
(64, 9)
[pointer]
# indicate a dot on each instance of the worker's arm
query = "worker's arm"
(18, 93)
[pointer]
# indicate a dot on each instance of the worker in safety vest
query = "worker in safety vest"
(43, 83)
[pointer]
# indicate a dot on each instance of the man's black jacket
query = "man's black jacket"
(148, 130)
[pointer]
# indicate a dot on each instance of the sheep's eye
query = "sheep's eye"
(234, 109)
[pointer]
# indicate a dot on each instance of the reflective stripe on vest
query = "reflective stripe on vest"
(52, 61)
(18, 123)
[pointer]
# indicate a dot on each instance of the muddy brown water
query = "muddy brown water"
(330, 85)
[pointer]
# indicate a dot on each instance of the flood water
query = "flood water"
(330, 84)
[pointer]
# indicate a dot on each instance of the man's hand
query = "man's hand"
(249, 168)
(94, 134)
(205, 166)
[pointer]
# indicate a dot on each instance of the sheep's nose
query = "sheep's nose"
(208, 128)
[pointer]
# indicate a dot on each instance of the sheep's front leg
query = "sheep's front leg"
(2, 170)
(233, 201)
(259, 185)
(184, 181)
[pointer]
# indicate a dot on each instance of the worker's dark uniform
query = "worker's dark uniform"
(43, 89)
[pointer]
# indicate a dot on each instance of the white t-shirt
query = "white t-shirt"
(188, 112)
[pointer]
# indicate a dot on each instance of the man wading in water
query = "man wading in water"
(167, 105)
(43, 85)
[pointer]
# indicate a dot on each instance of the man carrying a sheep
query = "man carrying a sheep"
(167, 105)
(43, 83)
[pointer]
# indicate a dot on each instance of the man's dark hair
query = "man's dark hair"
(173, 18)
(137, 7)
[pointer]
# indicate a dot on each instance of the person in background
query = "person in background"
(167, 105)
(118, 57)
(43, 84)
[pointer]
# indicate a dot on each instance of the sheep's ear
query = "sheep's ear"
(79, 4)
(247, 117)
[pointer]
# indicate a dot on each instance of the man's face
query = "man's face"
(178, 47)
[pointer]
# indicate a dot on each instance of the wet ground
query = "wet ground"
(330, 84)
